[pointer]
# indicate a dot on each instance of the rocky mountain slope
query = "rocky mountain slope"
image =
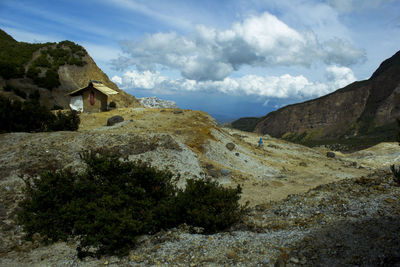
(305, 206)
(52, 69)
(154, 102)
(362, 110)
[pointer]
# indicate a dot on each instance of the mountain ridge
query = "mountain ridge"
(361, 111)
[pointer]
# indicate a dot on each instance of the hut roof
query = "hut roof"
(99, 86)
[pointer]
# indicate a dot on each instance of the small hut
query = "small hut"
(92, 98)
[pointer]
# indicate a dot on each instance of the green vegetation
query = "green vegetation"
(207, 204)
(112, 104)
(246, 124)
(396, 171)
(113, 201)
(15, 56)
(30, 116)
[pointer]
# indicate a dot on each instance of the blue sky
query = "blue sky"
(229, 58)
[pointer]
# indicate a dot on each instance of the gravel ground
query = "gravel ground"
(353, 222)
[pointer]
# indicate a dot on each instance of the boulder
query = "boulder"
(225, 172)
(114, 119)
(330, 154)
(230, 146)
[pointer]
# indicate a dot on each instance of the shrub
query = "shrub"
(106, 207)
(65, 121)
(20, 93)
(112, 104)
(205, 203)
(56, 107)
(8, 88)
(30, 116)
(112, 202)
(396, 171)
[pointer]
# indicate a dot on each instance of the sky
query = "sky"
(230, 58)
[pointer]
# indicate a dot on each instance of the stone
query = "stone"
(225, 172)
(178, 111)
(272, 146)
(114, 119)
(209, 166)
(294, 260)
(389, 200)
(237, 154)
(303, 164)
(330, 154)
(230, 146)
(213, 173)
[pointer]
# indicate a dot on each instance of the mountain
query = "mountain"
(52, 70)
(362, 113)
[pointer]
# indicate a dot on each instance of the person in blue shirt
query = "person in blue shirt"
(260, 142)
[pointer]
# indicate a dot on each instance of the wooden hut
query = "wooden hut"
(92, 98)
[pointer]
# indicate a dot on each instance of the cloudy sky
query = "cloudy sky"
(231, 58)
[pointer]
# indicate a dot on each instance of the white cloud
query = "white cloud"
(211, 54)
(282, 87)
(340, 76)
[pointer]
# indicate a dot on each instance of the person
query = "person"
(260, 142)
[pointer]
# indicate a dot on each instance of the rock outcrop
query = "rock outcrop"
(154, 102)
(366, 108)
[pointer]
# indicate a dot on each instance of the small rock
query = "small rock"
(230, 146)
(209, 166)
(225, 172)
(330, 154)
(303, 164)
(231, 255)
(213, 173)
(237, 154)
(114, 119)
(389, 200)
(178, 111)
(294, 260)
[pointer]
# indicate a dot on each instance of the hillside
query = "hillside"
(297, 195)
(50, 69)
(362, 113)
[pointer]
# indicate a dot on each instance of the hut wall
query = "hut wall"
(100, 101)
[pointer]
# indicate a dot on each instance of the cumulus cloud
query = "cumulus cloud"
(340, 76)
(282, 87)
(210, 54)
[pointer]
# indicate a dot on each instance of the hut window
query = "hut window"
(91, 98)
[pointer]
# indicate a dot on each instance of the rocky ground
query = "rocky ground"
(305, 208)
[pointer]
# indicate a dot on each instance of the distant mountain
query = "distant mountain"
(362, 113)
(49, 71)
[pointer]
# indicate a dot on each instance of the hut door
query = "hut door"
(91, 98)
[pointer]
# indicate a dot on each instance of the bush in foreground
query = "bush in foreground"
(113, 202)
